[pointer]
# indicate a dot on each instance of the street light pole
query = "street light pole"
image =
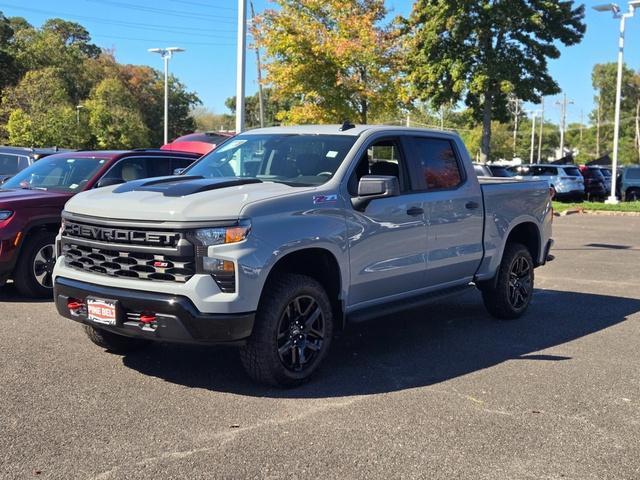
(615, 9)
(240, 64)
(533, 134)
(166, 54)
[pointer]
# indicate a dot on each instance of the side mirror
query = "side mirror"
(371, 187)
(178, 171)
(106, 181)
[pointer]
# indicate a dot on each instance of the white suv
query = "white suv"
(566, 180)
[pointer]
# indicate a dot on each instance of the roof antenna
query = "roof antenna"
(346, 125)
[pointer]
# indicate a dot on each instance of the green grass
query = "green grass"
(621, 207)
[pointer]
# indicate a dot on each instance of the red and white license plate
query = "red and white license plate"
(101, 311)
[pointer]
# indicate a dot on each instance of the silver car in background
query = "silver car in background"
(566, 180)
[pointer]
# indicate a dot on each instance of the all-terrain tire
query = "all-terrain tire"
(113, 342)
(32, 275)
(276, 330)
(509, 296)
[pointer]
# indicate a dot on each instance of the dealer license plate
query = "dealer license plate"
(101, 311)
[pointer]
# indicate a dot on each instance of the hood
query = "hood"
(32, 198)
(176, 199)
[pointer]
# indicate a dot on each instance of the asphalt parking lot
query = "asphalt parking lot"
(443, 392)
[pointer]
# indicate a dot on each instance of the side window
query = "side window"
(381, 158)
(437, 162)
(137, 168)
(179, 163)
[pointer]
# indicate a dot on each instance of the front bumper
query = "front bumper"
(178, 320)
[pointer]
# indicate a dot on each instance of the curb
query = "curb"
(606, 213)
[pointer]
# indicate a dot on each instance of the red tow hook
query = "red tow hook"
(148, 318)
(74, 305)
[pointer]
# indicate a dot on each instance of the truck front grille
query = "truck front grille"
(119, 250)
(129, 264)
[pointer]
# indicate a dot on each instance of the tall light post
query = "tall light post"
(533, 133)
(166, 54)
(240, 64)
(615, 10)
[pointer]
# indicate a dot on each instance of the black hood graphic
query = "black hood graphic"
(181, 186)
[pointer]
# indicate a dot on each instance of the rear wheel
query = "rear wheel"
(113, 342)
(632, 195)
(33, 273)
(509, 296)
(292, 332)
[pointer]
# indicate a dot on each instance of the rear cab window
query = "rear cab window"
(437, 163)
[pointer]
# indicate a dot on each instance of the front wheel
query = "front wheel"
(292, 332)
(509, 296)
(33, 272)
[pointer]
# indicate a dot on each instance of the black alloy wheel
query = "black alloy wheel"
(520, 282)
(301, 333)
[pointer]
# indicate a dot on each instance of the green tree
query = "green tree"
(333, 59)
(8, 67)
(483, 51)
(38, 111)
(209, 121)
(147, 87)
(113, 119)
(273, 104)
(604, 80)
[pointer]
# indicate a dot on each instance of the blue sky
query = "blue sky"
(206, 29)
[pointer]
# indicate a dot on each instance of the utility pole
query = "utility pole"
(240, 64)
(541, 131)
(563, 120)
(260, 97)
(442, 117)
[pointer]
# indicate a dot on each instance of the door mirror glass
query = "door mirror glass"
(371, 187)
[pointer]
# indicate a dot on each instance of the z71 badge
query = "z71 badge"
(320, 199)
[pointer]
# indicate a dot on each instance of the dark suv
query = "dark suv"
(16, 159)
(594, 183)
(31, 203)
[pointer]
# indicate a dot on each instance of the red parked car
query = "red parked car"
(201, 143)
(31, 203)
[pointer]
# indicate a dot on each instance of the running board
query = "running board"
(401, 305)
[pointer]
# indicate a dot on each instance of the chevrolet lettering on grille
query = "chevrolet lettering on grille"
(118, 235)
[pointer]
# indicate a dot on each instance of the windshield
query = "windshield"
(606, 172)
(297, 160)
(58, 174)
(12, 164)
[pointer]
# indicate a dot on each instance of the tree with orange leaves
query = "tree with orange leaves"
(331, 60)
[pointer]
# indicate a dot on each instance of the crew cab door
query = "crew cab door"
(453, 210)
(387, 240)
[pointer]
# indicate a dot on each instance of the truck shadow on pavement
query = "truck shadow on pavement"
(413, 349)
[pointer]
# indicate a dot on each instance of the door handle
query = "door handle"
(415, 211)
(472, 205)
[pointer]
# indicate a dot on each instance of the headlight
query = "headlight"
(221, 235)
(4, 214)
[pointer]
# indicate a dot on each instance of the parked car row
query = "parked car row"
(31, 203)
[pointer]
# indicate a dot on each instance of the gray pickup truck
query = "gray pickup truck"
(282, 236)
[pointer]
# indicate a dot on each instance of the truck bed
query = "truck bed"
(510, 201)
